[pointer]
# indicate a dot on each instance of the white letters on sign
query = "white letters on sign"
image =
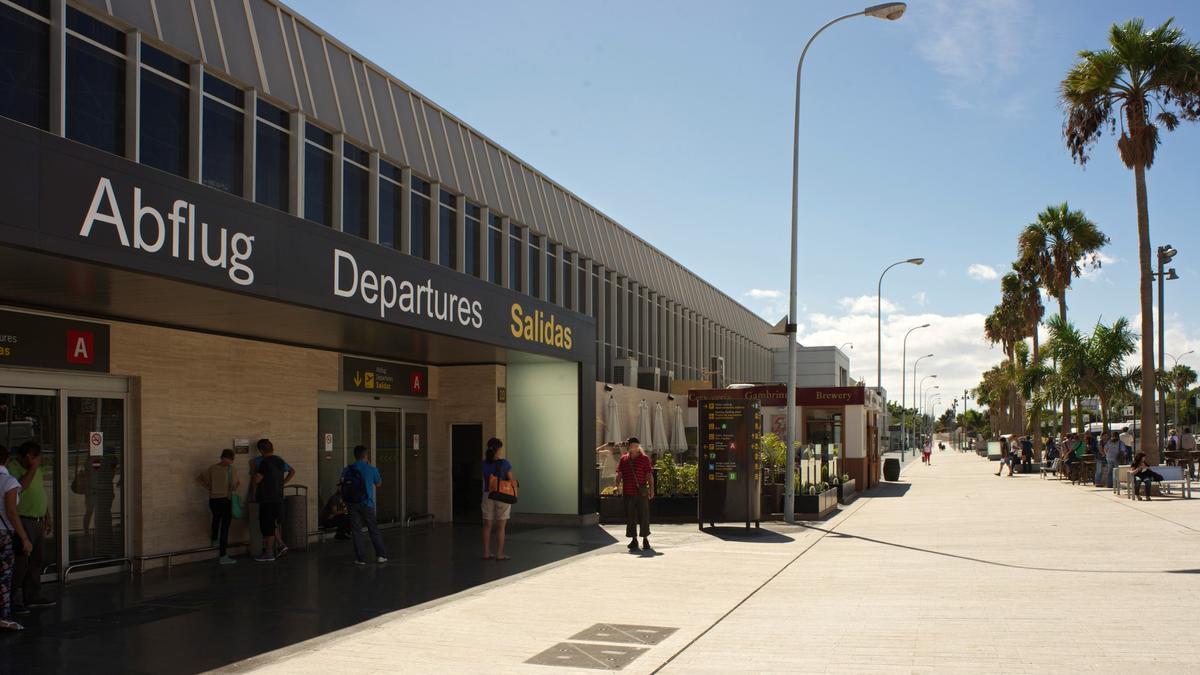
(96, 443)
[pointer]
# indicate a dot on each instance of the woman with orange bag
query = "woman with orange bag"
(499, 494)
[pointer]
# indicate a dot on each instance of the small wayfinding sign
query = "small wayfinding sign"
(96, 444)
(730, 434)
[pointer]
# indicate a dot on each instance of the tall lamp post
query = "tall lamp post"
(962, 445)
(1165, 253)
(879, 318)
(1174, 365)
(927, 409)
(890, 11)
(904, 390)
(917, 401)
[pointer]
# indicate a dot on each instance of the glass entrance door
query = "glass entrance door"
(378, 429)
(95, 455)
(31, 416)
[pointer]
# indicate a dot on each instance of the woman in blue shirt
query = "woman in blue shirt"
(495, 512)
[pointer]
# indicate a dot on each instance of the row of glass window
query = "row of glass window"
(95, 114)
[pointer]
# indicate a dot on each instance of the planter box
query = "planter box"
(772, 498)
(846, 492)
(816, 507)
(662, 510)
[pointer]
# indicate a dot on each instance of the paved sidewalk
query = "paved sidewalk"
(951, 570)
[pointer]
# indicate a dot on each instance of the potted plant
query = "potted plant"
(846, 491)
(816, 500)
(773, 456)
(675, 491)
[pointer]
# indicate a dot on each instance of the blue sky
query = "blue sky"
(938, 135)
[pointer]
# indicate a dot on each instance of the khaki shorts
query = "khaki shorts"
(494, 510)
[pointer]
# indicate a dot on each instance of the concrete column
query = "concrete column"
(460, 227)
(249, 143)
(587, 291)
(296, 175)
(653, 353)
(560, 254)
(670, 354)
(133, 95)
(506, 247)
(406, 211)
(339, 175)
(373, 197)
(58, 68)
(435, 214)
(634, 325)
(485, 246)
(195, 119)
(617, 298)
(601, 321)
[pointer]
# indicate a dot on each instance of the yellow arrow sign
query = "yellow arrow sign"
(357, 379)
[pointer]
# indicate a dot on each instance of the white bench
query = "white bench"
(1172, 475)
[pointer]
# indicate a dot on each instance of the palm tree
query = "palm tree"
(1181, 377)
(1005, 326)
(1092, 365)
(1059, 245)
(1022, 286)
(1117, 88)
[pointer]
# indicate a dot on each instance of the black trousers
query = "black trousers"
(1138, 481)
(27, 569)
(222, 516)
(637, 516)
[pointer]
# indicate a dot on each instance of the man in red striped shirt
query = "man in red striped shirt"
(635, 473)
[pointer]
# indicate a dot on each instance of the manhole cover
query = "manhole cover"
(620, 632)
(599, 657)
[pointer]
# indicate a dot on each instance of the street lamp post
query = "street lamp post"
(903, 390)
(879, 319)
(962, 445)
(890, 11)
(919, 401)
(927, 410)
(1174, 365)
(1165, 253)
(916, 401)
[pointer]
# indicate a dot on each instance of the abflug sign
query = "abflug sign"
(87, 204)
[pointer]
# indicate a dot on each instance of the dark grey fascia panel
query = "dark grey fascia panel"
(178, 26)
(239, 49)
(316, 72)
(136, 13)
(274, 52)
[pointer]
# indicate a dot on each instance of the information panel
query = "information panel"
(730, 432)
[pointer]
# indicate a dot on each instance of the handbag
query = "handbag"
(79, 484)
(502, 489)
(235, 500)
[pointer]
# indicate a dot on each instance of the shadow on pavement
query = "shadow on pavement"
(203, 616)
(886, 489)
(755, 536)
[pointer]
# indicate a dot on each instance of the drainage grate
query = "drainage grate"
(619, 632)
(598, 657)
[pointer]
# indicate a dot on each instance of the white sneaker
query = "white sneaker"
(9, 624)
(381, 560)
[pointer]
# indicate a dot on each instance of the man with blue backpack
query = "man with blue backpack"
(357, 487)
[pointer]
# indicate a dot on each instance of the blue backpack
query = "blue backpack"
(352, 486)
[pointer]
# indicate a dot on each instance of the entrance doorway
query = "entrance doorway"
(395, 438)
(466, 444)
(81, 435)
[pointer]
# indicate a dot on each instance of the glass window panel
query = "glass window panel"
(389, 213)
(419, 223)
(319, 136)
(551, 278)
(356, 197)
(95, 97)
(356, 154)
(221, 89)
(568, 272)
(165, 63)
(221, 157)
(41, 7)
(164, 128)
(447, 236)
(318, 185)
(271, 167)
(95, 30)
(25, 74)
(391, 171)
(515, 269)
(273, 114)
(535, 267)
(99, 533)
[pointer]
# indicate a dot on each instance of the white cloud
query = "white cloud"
(981, 272)
(867, 304)
(769, 303)
(763, 293)
(920, 298)
(977, 46)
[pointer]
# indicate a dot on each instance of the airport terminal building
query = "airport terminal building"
(218, 223)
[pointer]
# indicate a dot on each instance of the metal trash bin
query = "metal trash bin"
(295, 517)
(891, 469)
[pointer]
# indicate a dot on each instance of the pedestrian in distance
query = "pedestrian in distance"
(1112, 457)
(1006, 457)
(13, 540)
(496, 511)
(636, 484)
(926, 453)
(1143, 475)
(1127, 441)
(222, 485)
(270, 474)
(37, 522)
(1026, 454)
(357, 487)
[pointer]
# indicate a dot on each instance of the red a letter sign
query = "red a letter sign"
(79, 347)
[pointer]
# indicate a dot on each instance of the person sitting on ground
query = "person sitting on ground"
(336, 516)
(1143, 475)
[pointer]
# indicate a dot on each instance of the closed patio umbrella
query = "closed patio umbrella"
(678, 433)
(612, 421)
(660, 430)
(645, 433)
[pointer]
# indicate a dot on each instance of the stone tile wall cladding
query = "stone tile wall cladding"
(192, 393)
(465, 395)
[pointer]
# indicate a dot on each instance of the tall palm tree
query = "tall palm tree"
(1118, 88)
(1022, 286)
(1059, 245)
(1181, 377)
(1005, 326)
